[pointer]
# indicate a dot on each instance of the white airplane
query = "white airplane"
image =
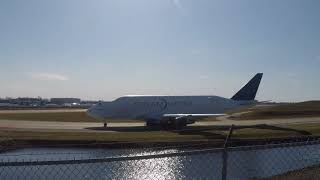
(173, 111)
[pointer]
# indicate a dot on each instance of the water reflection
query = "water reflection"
(242, 164)
(164, 168)
(159, 168)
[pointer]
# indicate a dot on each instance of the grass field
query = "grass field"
(304, 109)
(62, 117)
(193, 135)
(294, 110)
(49, 116)
(54, 116)
(92, 136)
(309, 173)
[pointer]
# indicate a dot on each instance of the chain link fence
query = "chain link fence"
(297, 160)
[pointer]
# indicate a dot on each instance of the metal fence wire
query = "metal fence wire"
(298, 160)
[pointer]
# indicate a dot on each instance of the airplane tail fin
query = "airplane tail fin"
(249, 91)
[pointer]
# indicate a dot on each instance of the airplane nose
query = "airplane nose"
(94, 113)
(90, 112)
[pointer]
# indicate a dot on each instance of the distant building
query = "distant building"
(8, 101)
(87, 104)
(26, 101)
(62, 101)
(5, 103)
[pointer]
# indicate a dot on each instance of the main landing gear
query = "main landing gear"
(105, 124)
(168, 124)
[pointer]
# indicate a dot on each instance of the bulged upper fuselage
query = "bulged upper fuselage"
(154, 107)
(175, 108)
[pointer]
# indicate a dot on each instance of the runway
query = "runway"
(97, 127)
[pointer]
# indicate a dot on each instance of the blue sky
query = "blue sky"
(102, 49)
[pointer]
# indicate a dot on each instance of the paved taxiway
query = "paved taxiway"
(81, 126)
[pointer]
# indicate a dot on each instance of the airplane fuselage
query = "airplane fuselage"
(153, 108)
(177, 110)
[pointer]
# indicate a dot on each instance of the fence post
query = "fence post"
(225, 154)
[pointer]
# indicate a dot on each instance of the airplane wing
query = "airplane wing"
(189, 118)
(192, 115)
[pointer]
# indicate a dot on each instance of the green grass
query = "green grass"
(303, 109)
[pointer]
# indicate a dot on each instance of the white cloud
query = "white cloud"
(176, 2)
(292, 75)
(179, 6)
(195, 52)
(49, 76)
(203, 77)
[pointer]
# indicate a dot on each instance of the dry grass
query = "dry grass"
(49, 116)
(263, 133)
(96, 136)
(146, 135)
(55, 116)
(303, 109)
(309, 173)
(76, 116)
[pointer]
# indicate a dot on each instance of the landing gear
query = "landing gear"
(175, 124)
(151, 125)
(172, 124)
(168, 124)
(180, 124)
(105, 125)
(148, 124)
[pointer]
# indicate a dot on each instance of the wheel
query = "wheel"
(180, 124)
(148, 123)
(105, 125)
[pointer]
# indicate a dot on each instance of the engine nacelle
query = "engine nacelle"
(175, 122)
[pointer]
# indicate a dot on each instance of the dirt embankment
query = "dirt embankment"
(294, 110)
(309, 173)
